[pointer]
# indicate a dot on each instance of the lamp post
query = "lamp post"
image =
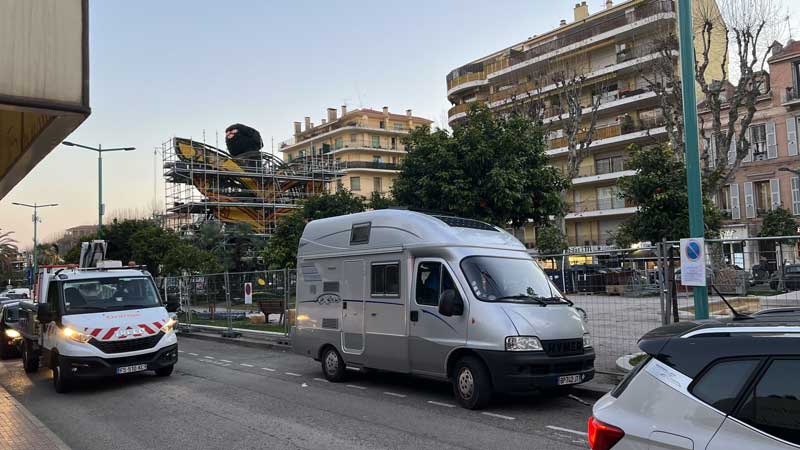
(100, 150)
(35, 228)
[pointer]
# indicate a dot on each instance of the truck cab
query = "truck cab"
(95, 322)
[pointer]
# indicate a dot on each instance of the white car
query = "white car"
(714, 385)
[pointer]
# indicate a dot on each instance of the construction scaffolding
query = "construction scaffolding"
(206, 184)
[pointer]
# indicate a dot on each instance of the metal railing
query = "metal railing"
(369, 165)
(599, 204)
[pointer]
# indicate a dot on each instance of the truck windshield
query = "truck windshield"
(109, 294)
(494, 279)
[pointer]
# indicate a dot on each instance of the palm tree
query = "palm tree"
(8, 250)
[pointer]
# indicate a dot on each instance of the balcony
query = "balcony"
(601, 207)
(598, 175)
(374, 165)
(588, 240)
(466, 81)
(367, 145)
(613, 135)
(595, 31)
(791, 97)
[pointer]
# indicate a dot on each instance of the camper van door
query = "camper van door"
(353, 283)
(432, 335)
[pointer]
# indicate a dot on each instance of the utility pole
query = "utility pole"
(696, 224)
(36, 220)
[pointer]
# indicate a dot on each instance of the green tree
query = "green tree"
(380, 201)
(779, 222)
(659, 189)
(329, 205)
(492, 168)
(185, 257)
(550, 240)
(8, 250)
(148, 246)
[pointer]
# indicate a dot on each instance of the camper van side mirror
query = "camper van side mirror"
(44, 313)
(450, 304)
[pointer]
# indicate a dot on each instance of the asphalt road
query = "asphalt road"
(223, 396)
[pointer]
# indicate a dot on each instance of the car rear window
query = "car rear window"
(773, 406)
(719, 386)
(629, 377)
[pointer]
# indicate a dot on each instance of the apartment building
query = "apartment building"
(367, 144)
(760, 185)
(614, 49)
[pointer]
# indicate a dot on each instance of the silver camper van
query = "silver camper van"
(436, 296)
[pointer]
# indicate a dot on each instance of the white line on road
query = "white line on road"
(293, 374)
(499, 416)
(193, 354)
(180, 351)
(208, 357)
(446, 405)
(268, 369)
(246, 365)
(225, 360)
(355, 387)
(322, 379)
(395, 394)
(567, 430)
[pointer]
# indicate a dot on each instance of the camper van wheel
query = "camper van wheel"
(471, 383)
(333, 365)
(61, 381)
(30, 360)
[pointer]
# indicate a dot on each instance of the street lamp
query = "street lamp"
(100, 150)
(35, 227)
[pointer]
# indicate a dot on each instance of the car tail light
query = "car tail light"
(603, 436)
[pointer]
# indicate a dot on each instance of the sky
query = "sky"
(160, 69)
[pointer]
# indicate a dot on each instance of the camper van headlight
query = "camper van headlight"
(523, 344)
(76, 336)
(587, 340)
(169, 326)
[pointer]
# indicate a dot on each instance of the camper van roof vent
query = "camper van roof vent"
(466, 223)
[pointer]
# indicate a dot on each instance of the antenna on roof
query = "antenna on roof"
(789, 26)
(736, 314)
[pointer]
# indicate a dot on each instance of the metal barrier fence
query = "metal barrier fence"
(628, 292)
(220, 300)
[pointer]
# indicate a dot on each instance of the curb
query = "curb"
(276, 344)
(42, 428)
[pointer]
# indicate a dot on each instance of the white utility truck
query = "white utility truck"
(92, 322)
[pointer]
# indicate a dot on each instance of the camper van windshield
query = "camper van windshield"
(109, 294)
(494, 279)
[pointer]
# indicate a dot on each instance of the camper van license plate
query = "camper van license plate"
(569, 379)
(131, 369)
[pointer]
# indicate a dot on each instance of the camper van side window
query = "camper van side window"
(52, 295)
(385, 279)
(359, 234)
(429, 275)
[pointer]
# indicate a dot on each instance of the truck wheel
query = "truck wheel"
(472, 384)
(333, 366)
(62, 382)
(5, 352)
(165, 371)
(30, 360)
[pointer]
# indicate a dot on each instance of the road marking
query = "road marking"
(499, 416)
(225, 360)
(446, 405)
(208, 357)
(322, 379)
(567, 430)
(193, 354)
(395, 395)
(246, 365)
(293, 374)
(180, 351)
(268, 369)
(356, 387)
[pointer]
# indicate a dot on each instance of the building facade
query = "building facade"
(759, 185)
(367, 145)
(612, 50)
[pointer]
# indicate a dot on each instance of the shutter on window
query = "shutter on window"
(712, 154)
(736, 212)
(749, 205)
(791, 135)
(749, 138)
(775, 193)
(732, 151)
(796, 196)
(772, 142)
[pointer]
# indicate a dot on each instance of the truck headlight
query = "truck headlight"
(587, 340)
(169, 326)
(523, 344)
(76, 336)
(13, 334)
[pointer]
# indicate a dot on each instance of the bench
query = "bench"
(272, 307)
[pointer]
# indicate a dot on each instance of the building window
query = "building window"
(376, 142)
(394, 143)
(608, 198)
(355, 183)
(377, 184)
(385, 280)
(313, 150)
(399, 126)
(610, 165)
(725, 199)
(289, 157)
(338, 143)
(354, 138)
(302, 154)
(758, 141)
(762, 197)
(377, 159)
(382, 124)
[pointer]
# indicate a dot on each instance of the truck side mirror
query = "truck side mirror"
(450, 304)
(44, 313)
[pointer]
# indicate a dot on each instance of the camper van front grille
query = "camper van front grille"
(563, 347)
(466, 223)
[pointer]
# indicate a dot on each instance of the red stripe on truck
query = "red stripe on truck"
(146, 328)
(110, 333)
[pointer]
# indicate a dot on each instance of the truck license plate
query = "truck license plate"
(131, 369)
(569, 379)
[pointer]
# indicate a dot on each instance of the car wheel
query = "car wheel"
(62, 382)
(30, 361)
(333, 366)
(472, 383)
(165, 371)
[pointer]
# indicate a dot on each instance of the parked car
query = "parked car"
(10, 337)
(715, 385)
(791, 278)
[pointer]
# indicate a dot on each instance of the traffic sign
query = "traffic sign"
(693, 262)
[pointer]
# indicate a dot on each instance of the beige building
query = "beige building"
(367, 144)
(614, 50)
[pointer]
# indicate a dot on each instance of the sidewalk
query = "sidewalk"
(20, 430)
